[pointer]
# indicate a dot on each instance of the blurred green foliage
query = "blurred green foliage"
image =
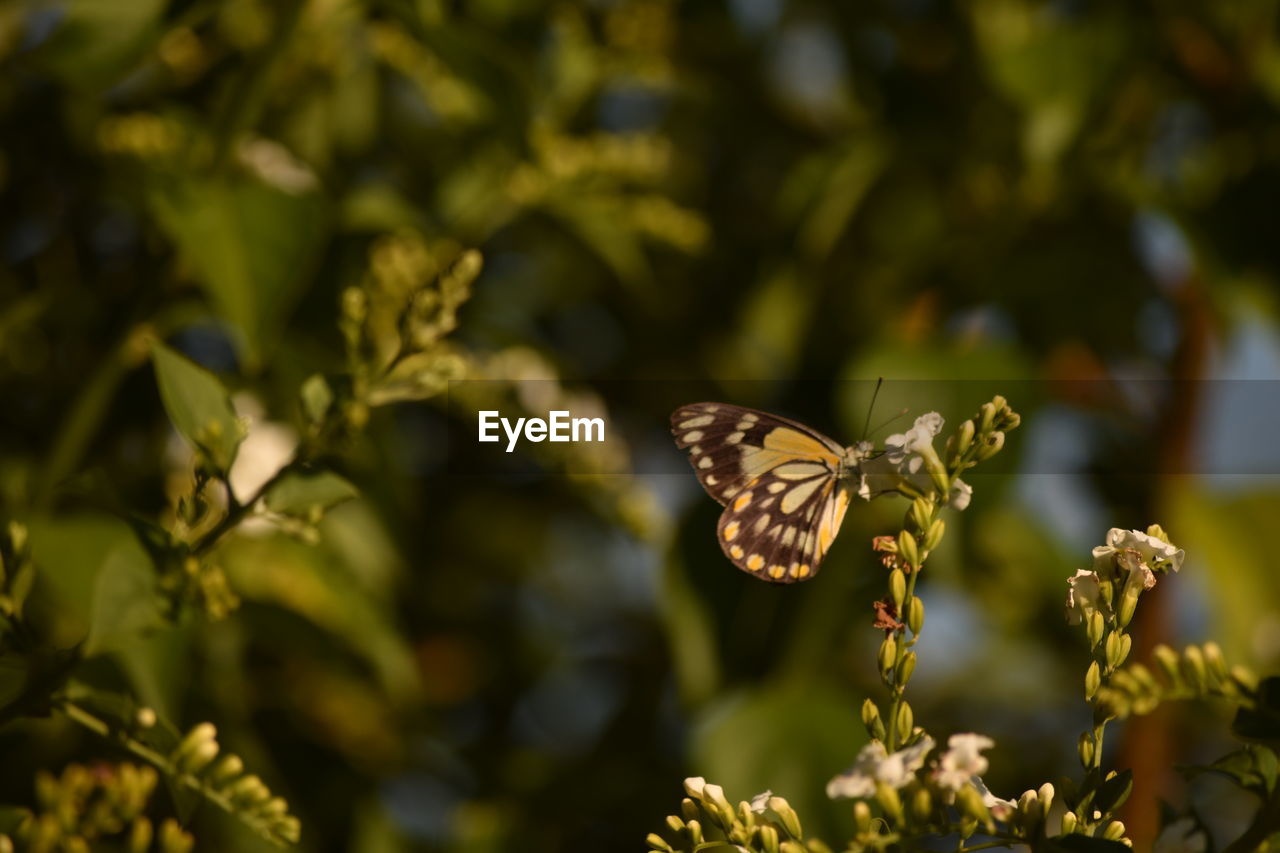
(795, 194)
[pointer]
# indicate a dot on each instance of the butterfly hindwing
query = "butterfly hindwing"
(779, 483)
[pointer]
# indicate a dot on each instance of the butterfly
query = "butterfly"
(784, 486)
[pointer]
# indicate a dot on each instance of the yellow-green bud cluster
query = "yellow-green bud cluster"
(1197, 672)
(197, 757)
(767, 825)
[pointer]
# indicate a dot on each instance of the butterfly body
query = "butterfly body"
(783, 485)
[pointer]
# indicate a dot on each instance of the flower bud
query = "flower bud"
(1114, 831)
(1045, 796)
(694, 829)
(908, 549)
(689, 809)
(1244, 678)
(861, 816)
(1194, 669)
(970, 803)
(906, 719)
(915, 615)
(1167, 660)
(767, 838)
(888, 656)
(675, 822)
(890, 802)
(871, 719)
(1095, 628)
(921, 804)
(922, 513)
(934, 537)
(1128, 604)
(144, 718)
(1092, 680)
(897, 588)
(964, 437)
(228, 767)
(986, 417)
(786, 814)
(1088, 750)
(1068, 823)
(1157, 532)
(657, 842)
(991, 444)
(1216, 663)
(905, 667)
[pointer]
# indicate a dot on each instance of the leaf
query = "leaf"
(1262, 721)
(301, 494)
(250, 247)
(100, 580)
(1112, 793)
(97, 40)
(198, 406)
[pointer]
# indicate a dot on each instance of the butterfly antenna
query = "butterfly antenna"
(866, 426)
(904, 411)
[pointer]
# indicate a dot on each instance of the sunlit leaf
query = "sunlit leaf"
(304, 494)
(198, 406)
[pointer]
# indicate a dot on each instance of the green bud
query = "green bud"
(964, 437)
(199, 757)
(6, 844)
(1045, 797)
(905, 667)
(1095, 627)
(694, 829)
(986, 418)
(897, 587)
(675, 823)
(768, 838)
(817, 845)
(1128, 604)
(1157, 532)
(970, 803)
(915, 615)
(228, 767)
(1012, 421)
(657, 842)
(202, 733)
(1244, 678)
(790, 846)
(921, 805)
(888, 655)
(1194, 669)
(992, 443)
(889, 802)
(934, 537)
(1088, 750)
(922, 513)
(937, 471)
(906, 719)
(140, 835)
(1216, 663)
(173, 839)
(1068, 823)
(861, 817)
(1114, 831)
(689, 809)
(871, 719)
(289, 828)
(908, 550)
(1167, 659)
(786, 814)
(144, 718)
(1092, 680)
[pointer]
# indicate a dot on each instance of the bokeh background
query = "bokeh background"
(770, 201)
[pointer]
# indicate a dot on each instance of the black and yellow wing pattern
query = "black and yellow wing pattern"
(781, 484)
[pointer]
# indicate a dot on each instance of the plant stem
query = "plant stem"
(898, 688)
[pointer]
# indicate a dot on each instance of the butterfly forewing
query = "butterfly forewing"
(779, 483)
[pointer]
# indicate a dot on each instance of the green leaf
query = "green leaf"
(1113, 792)
(198, 405)
(98, 579)
(302, 494)
(250, 246)
(1261, 722)
(97, 40)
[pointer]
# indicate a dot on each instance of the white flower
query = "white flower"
(962, 761)
(1000, 809)
(1134, 550)
(1084, 595)
(1181, 836)
(903, 459)
(874, 765)
(694, 785)
(760, 802)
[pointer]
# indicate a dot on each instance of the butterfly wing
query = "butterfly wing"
(779, 483)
